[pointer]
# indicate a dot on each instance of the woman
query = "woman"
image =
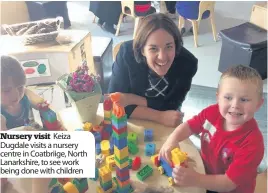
(154, 72)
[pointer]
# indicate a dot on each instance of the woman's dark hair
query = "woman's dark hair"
(150, 24)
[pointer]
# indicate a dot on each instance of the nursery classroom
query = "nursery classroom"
(135, 74)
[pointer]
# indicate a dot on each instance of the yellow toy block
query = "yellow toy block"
(100, 190)
(105, 174)
(178, 157)
(110, 162)
(121, 166)
(105, 147)
(121, 154)
(153, 157)
(88, 126)
(70, 188)
(107, 114)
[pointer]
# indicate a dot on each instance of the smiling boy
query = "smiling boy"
(232, 145)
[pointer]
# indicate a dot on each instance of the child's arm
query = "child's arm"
(188, 177)
(182, 132)
(34, 99)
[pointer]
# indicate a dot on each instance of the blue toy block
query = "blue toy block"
(98, 149)
(108, 128)
(167, 168)
(79, 129)
(125, 178)
(149, 149)
(106, 186)
(148, 135)
(48, 115)
(97, 136)
(121, 143)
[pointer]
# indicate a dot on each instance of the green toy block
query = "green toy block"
(144, 173)
(132, 148)
(118, 137)
(132, 137)
(106, 184)
(53, 182)
(120, 120)
(122, 160)
(130, 163)
(77, 184)
(83, 184)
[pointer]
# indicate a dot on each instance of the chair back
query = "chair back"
(205, 6)
(130, 5)
(116, 50)
(259, 15)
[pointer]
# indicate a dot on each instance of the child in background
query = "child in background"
(232, 145)
(16, 103)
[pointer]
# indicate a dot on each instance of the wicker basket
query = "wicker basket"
(35, 32)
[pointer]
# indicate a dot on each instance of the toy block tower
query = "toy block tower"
(107, 124)
(49, 117)
(121, 155)
(106, 183)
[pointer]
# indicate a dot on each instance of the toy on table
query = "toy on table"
(150, 149)
(177, 157)
(119, 126)
(106, 184)
(66, 185)
(136, 163)
(49, 117)
(148, 135)
(144, 173)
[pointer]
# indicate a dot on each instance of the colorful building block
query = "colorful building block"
(132, 137)
(119, 122)
(83, 185)
(150, 149)
(136, 164)
(105, 174)
(107, 104)
(70, 188)
(178, 157)
(130, 163)
(105, 147)
(98, 149)
(133, 148)
(144, 173)
(49, 115)
(88, 126)
(121, 143)
(110, 162)
(148, 135)
(119, 131)
(97, 136)
(122, 153)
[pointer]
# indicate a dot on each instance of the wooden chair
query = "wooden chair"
(203, 6)
(130, 5)
(116, 50)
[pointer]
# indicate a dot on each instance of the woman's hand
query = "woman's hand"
(171, 118)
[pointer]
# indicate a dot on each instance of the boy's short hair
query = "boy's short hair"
(244, 73)
(11, 67)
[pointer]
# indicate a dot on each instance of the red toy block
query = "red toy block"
(122, 174)
(105, 135)
(107, 104)
(120, 131)
(52, 126)
(156, 161)
(136, 163)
